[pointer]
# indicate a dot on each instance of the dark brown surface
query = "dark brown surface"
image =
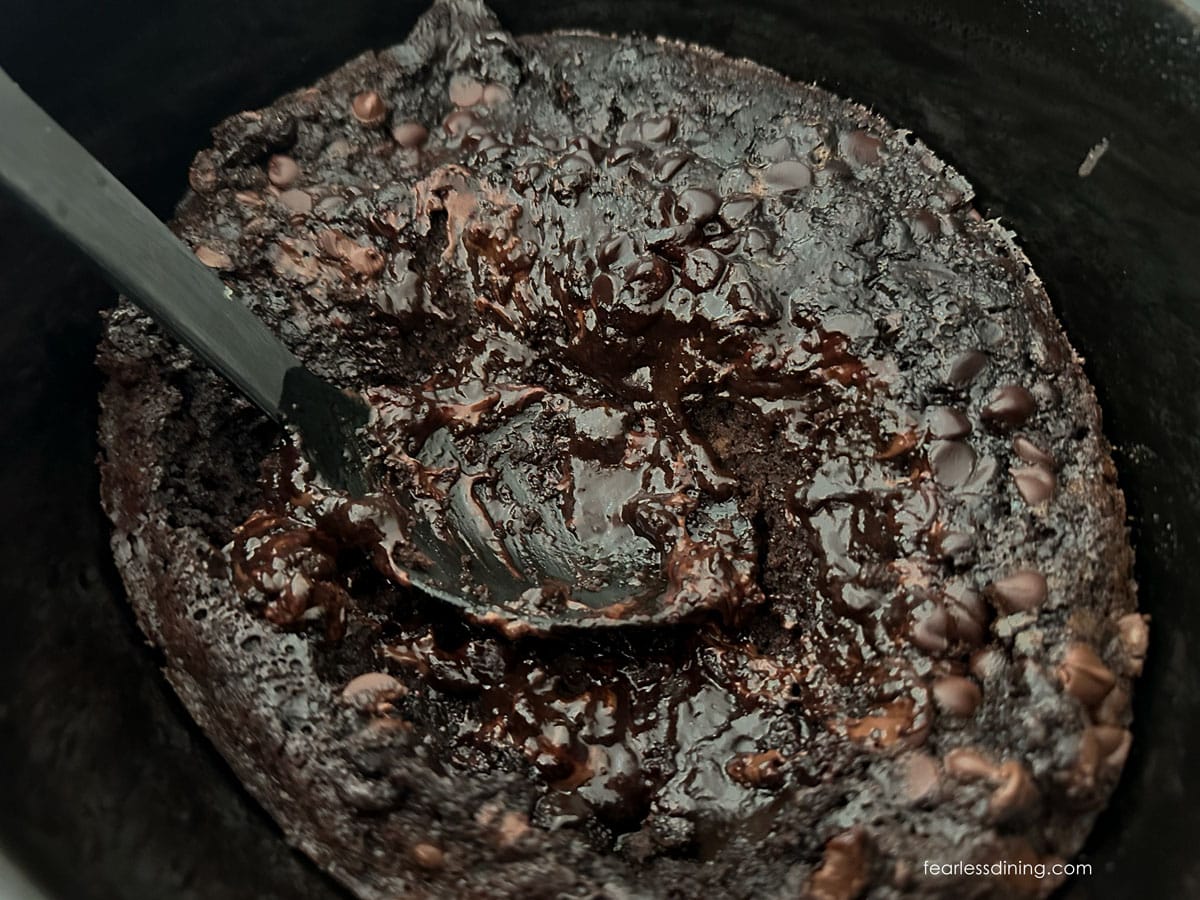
(116, 795)
(875, 569)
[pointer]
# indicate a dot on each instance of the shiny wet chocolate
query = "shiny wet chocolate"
(644, 273)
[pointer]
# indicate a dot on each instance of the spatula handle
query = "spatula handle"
(67, 187)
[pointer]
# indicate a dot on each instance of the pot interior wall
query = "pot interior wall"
(110, 792)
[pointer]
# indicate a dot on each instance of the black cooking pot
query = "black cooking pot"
(106, 788)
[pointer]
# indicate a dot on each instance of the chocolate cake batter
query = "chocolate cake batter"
(651, 322)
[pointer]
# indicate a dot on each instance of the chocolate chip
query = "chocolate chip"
(1084, 675)
(786, 176)
(701, 269)
(366, 261)
(296, 200)
(338, 149)
(1114, 708)
(576, 164)
(1022, 591)
(428, 856)
(1031, 453)
(249, 198)
(843, 872)
(718, 236)
(619, 249)
(924, 224)
(465, 91)
(1102, 752)
(945, 423)
(1010, 407)
(980, 483)
(1134, 635)
(214, 259)
(657, 129)
(964, 367)
(282, 170)
(508, 827)
(459, 122)
(410, 135)
(368, 691)
(1016, 795)
(930, 627)
(369, 108)
(863, 147)
(495, 94)
(334, 243)
(899, 445)
(860, 599)
(757, 241)
(738, 208)
(1034, 483)
(696, 205)
(922, 777)
(777, 150)
(621, 154)
(652, 275)
(757, 770)
(968, 764)
(956, 546)
(968, 613)
(668, 167)
(899, 720)
(952, 463)
(1112, 742)
(957, 696)
(602, 291)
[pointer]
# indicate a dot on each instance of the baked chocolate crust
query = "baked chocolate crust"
(929, 651)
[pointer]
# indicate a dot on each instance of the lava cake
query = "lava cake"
(661, 305)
